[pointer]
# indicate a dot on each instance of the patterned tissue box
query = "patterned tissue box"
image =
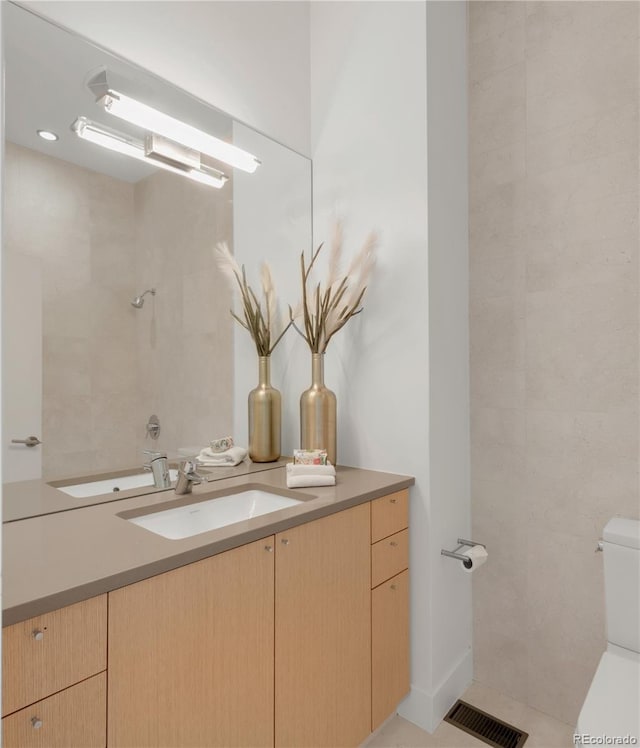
(309, 456)
(221, 445)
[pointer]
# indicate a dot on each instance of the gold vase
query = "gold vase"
(318, 412)
(265, 406)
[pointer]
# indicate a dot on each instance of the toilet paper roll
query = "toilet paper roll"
(477, 556)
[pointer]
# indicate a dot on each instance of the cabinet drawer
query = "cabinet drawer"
(389, 647)
(389, 557)
(53, 651)
(389, 514)
(73, 718)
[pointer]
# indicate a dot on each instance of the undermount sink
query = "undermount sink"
(202, 516)
(123, 483)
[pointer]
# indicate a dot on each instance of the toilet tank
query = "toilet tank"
(622, 582)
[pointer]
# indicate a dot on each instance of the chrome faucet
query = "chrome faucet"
(159, 468)
(187, 476)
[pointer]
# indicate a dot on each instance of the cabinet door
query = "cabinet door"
(53, 651)
(389, 646)
(73, 718)
(323, 632)
(191, 654)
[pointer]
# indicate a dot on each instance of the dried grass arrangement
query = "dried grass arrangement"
(326, 308)
(261, 317)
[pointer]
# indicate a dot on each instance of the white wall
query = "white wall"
(249, 59)
(448, 348)
(385, 78)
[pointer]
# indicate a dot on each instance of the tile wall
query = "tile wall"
(106, 365)
(554, 135)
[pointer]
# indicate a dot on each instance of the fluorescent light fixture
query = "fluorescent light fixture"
(157, 122)
(116, 141)
(47, 135)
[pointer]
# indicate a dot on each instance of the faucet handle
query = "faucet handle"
(188, 468)
(153, 455)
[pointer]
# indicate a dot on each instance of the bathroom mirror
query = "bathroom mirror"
(113, 308)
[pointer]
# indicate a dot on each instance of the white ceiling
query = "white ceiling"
(46, 69)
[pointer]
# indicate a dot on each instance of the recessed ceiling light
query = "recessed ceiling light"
(47, 135)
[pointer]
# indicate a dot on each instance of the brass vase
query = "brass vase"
(265, 405)
(318, 412)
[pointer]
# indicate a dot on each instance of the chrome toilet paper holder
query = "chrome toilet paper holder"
(466, 561)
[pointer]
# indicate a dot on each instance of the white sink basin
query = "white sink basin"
(124, 483)
(193, 519)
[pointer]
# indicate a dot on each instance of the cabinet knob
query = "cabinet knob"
(269, 548)
(393, 501)
(393, 544)
(394, 586)
(38, 635)
(285, 541)
(36, 723)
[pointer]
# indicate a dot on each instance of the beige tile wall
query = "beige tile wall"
(554, 331)
(184, 333)
(106, 365)
(80, 224)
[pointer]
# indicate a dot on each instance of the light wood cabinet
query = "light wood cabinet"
(390, 677)
(296, 640)
(51, 652)
(389, 646)
(322, 633)
(389, 557)
(73, 718)
(389, 514)
(191, 654)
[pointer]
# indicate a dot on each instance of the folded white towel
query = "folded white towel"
(293, 469)
(305, 481)
(233, 456)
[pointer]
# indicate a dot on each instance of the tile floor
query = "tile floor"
(544, 731)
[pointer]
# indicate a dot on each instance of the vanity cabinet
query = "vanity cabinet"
(298, 640)
(390, 677)
(191, 654)
(322, 632)
(43, 659)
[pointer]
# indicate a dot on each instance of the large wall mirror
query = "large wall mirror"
(113, 308)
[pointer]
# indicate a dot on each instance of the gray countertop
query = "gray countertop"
(56, 559)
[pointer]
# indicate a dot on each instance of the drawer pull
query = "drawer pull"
(269, 548)
(393, 544)
(36, 723)
(38, 635)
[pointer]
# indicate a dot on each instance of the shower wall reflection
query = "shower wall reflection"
(107, 366)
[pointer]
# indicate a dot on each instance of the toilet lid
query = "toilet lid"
(612, 706)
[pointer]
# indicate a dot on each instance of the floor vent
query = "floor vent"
(485, 727)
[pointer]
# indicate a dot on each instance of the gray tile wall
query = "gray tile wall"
(554, 332)
(106, 365)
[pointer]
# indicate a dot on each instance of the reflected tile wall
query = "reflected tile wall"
(184, 334)
(106, 365)
(80, 224)
(554, 178)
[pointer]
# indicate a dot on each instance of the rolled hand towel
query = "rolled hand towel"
(300, 476)
(233, 456)
(293, 469)
(304, 481)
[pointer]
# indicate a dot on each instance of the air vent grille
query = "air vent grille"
(485, 727)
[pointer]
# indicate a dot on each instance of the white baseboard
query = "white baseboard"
(427, 710)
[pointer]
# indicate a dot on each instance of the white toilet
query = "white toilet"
(612, 706)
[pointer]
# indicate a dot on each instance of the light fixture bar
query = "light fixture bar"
(158, 122)
(117, 141)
